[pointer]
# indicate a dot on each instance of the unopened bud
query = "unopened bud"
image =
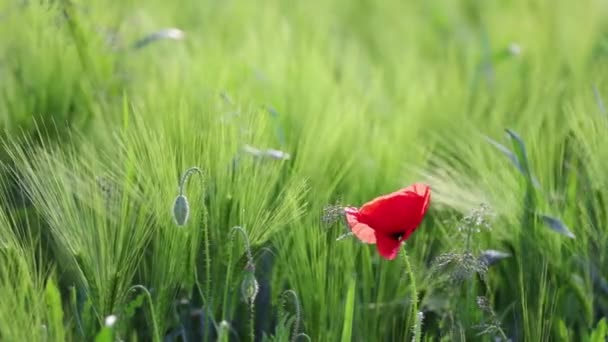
(181, 210)
(249, 287)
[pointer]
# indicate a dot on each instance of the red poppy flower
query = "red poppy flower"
(389, 220)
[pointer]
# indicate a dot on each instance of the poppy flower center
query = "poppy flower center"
(397, 236)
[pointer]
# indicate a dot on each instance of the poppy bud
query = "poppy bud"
(249, 287)
(181, 210)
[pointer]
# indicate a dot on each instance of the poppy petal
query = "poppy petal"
(387, 246)
(398, 212)
(362, 231)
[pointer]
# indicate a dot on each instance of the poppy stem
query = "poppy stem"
(252, 321)
(416, 328)
(184, 179)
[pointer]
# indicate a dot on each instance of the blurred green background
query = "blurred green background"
(289, 108)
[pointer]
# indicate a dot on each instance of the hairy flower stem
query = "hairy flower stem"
(296, 323)
(252, 322)
(207, 254)
(414, 305)
(157, 336)
(185, 176)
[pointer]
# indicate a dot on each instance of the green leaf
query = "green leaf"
(349, 308)
(512, 157)
(133, 305)
(519, 148)
(52, 299)
(515, 160)
(600, 333)
(106, 334)
(562, 330)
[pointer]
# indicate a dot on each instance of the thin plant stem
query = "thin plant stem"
(303, 335)
(414, 290)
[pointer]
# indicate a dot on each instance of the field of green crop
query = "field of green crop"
(175, 171)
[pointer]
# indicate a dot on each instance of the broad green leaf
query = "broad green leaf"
(106, 334)
(519, 148)
(600, 333)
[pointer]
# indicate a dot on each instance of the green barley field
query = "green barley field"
(176, 171)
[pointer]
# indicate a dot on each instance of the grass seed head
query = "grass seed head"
(459, 267)
(477, 220)
(483, 304)
(332, 214)
(491, 325)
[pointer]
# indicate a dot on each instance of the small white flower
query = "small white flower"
(110, 321)
(514, 49)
